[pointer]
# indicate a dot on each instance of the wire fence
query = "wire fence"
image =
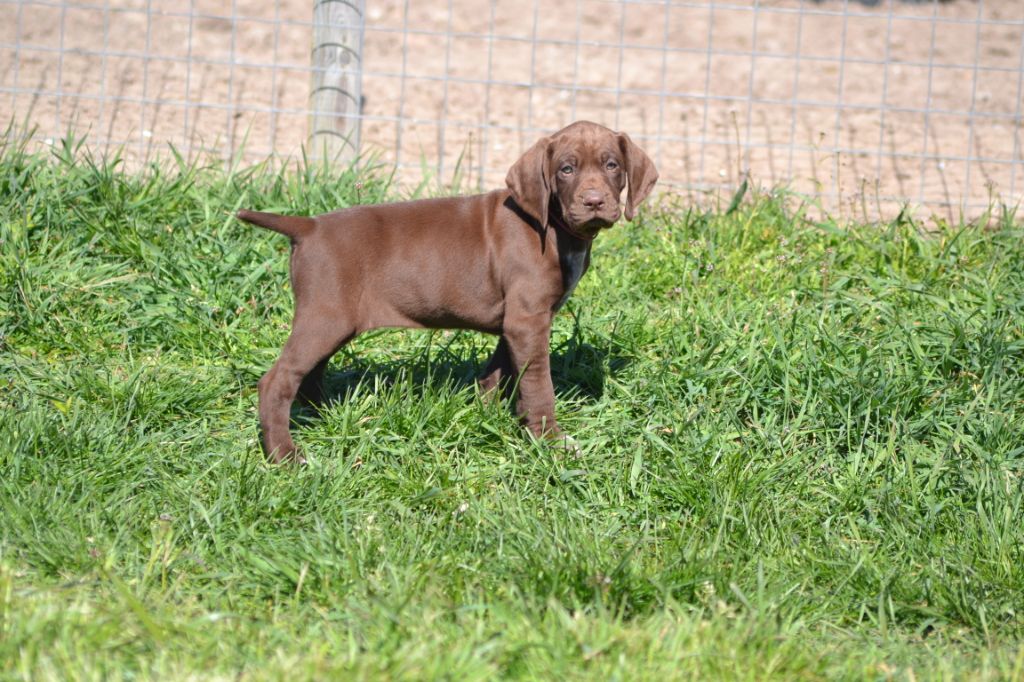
(863, 104)
(139, 75)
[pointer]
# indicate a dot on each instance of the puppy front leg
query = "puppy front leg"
(528, 339)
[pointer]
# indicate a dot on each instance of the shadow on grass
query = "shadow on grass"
(578, 371)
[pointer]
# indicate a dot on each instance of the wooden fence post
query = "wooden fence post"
(336, 91)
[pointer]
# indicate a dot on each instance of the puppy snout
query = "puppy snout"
(593, 199)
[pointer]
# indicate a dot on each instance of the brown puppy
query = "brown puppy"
(502, 263)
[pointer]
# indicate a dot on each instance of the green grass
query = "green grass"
(803, 447)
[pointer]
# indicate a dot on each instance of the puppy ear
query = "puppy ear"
(640, 172)
(529, 179)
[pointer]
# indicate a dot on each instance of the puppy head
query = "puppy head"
(585, 167)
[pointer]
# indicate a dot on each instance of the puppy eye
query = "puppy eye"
(611, 165)
(566, 169)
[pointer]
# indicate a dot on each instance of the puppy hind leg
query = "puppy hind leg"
(498, 373)
(311, 343)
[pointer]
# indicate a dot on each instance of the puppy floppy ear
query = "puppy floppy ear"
(529, 179)
(640, 172)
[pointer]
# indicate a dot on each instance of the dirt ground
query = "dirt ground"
(864, 104)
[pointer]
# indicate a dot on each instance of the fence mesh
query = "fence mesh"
(204, 75)
(865, 104)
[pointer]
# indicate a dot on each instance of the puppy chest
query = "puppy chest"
(573, 264)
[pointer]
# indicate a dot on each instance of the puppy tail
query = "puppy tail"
(295, 227)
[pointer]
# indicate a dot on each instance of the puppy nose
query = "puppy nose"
(593, 199)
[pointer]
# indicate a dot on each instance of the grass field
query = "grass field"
(802, 453)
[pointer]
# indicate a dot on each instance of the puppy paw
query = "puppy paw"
(570, 445)
(559, 441)
(290, 455)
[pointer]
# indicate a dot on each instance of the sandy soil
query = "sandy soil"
(866, 111)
